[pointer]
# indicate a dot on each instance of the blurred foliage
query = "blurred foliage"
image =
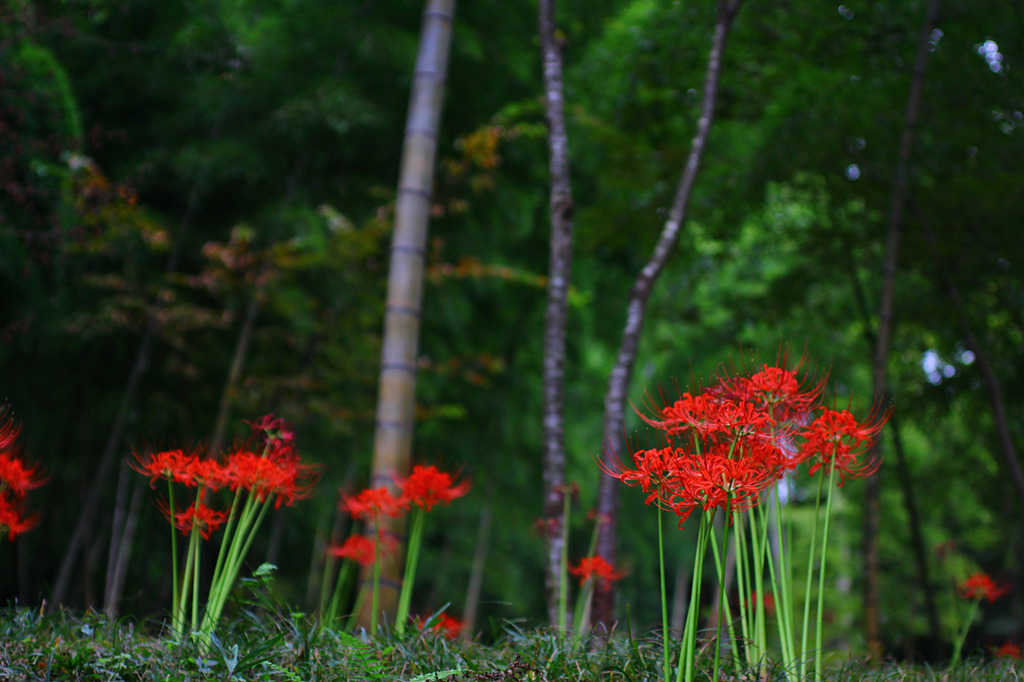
(260, 142)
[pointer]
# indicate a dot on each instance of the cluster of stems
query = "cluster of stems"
(262, 472)
(421, 491)
(730, 449)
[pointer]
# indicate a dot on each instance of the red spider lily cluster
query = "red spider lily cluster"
(729, 443)
(595, 567)
(425, 487)
(362, 550)
(16, 479)
(446, 625)
(1008, 650)
(767, 600)
(981, 586)
(267, 466)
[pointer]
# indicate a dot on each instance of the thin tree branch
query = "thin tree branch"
(618, 383)
(906, 482)
(988, 375)
(872, 510)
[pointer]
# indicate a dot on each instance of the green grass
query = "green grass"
(64, 646)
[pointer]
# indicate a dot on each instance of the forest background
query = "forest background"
(195, 214)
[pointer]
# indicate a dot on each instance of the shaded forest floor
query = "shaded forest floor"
(64, 646)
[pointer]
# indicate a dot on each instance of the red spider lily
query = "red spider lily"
(653, 469)
(716, 480)
(545, 528)
(690, 411)
(268, 423)
(1008, 650)
(981, 586)
(207, 473)
(428, 485)
(362, 549)
(775, 390)
(12, 521)
(837, 439)
(17, 476)
(373, 502)
(278, 436)
(768, 600)
(712, 415)
(287, 478)
(447, 625)
(16, 479)
(8, 431)
(595, 566)
(198, 516)
(175, 465)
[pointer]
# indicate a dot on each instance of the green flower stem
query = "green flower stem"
(688, 647)
(344, 571)
(730, 628)
(584, 600)
(664, 593)
(329, 561)
(742, 580)
(760, 550)
(229, 529)
(411, 560)
(810, 580)
(781, 587)
(356, 608)
(375, 596)
(581, 614)
(721, 593)
(235, 527)
(187, 582)
(194, 544)
(563, 566)
(958, 645)
(245, 532)
(819, 659)
(176, 622)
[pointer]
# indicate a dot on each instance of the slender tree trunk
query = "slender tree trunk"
(872, 509)
(119, 570)
(392, 445)
(122, 533)
(906, 485)
(988, 375)
(618, 383)
(561, 208)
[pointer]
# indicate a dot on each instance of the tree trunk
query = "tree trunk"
(906, 485)
(988, 375)
(392, 446)
(122, 536)
(561, 206)
(618, 383)
(872, 508)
